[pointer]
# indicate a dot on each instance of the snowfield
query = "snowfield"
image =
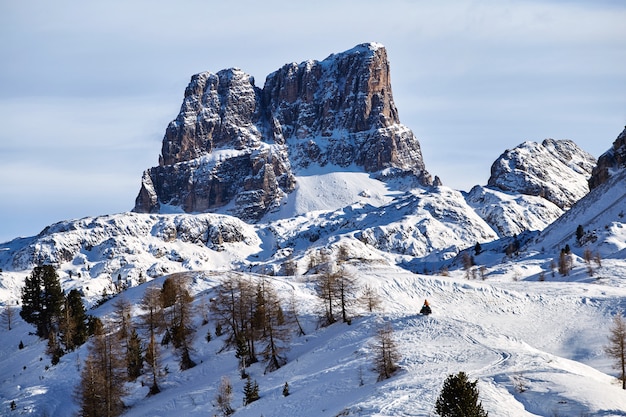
(535, 347)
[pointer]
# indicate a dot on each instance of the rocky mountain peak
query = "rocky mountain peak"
(351, 90)
(218, 110)
(236, 144)
(613, 159)
(556, 170)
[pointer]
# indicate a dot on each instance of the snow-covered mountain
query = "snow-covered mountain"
(557, 170)
(337, 174)
(236, 145)
(100, 253)
(532, 185)
(497, 330)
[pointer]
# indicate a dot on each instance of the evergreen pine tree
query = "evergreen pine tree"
(42, 299)
(32, 298)
(580, 232)
(459, 398)
(79, 316)
(250, 392)
(134, 359)
(53, 298)
(242, 353)
(168, 292)
(73, 325)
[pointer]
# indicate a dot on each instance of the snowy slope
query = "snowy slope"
(498, 331)
(602, 213)
(95, 254)
(511, 214)
(332, 188)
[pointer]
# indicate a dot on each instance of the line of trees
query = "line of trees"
(255, 321)
(123, 349)
(258, 323)
(59, 318)
(338, 289)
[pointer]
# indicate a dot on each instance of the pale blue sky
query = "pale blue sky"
(87, 88)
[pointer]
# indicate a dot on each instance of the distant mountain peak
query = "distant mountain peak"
(556, 170)
(236, 144)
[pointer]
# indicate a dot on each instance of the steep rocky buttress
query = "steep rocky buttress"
(234, 144)
(613, 159)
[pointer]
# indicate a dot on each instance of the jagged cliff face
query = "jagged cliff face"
(613, 159)
(557, 170)
(214, 152)
(238, 145)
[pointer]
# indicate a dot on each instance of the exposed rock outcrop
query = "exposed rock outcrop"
(614, 158)
(238, 145)
(557, 170)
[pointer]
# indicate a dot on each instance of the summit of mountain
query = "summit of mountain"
(556, 170)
